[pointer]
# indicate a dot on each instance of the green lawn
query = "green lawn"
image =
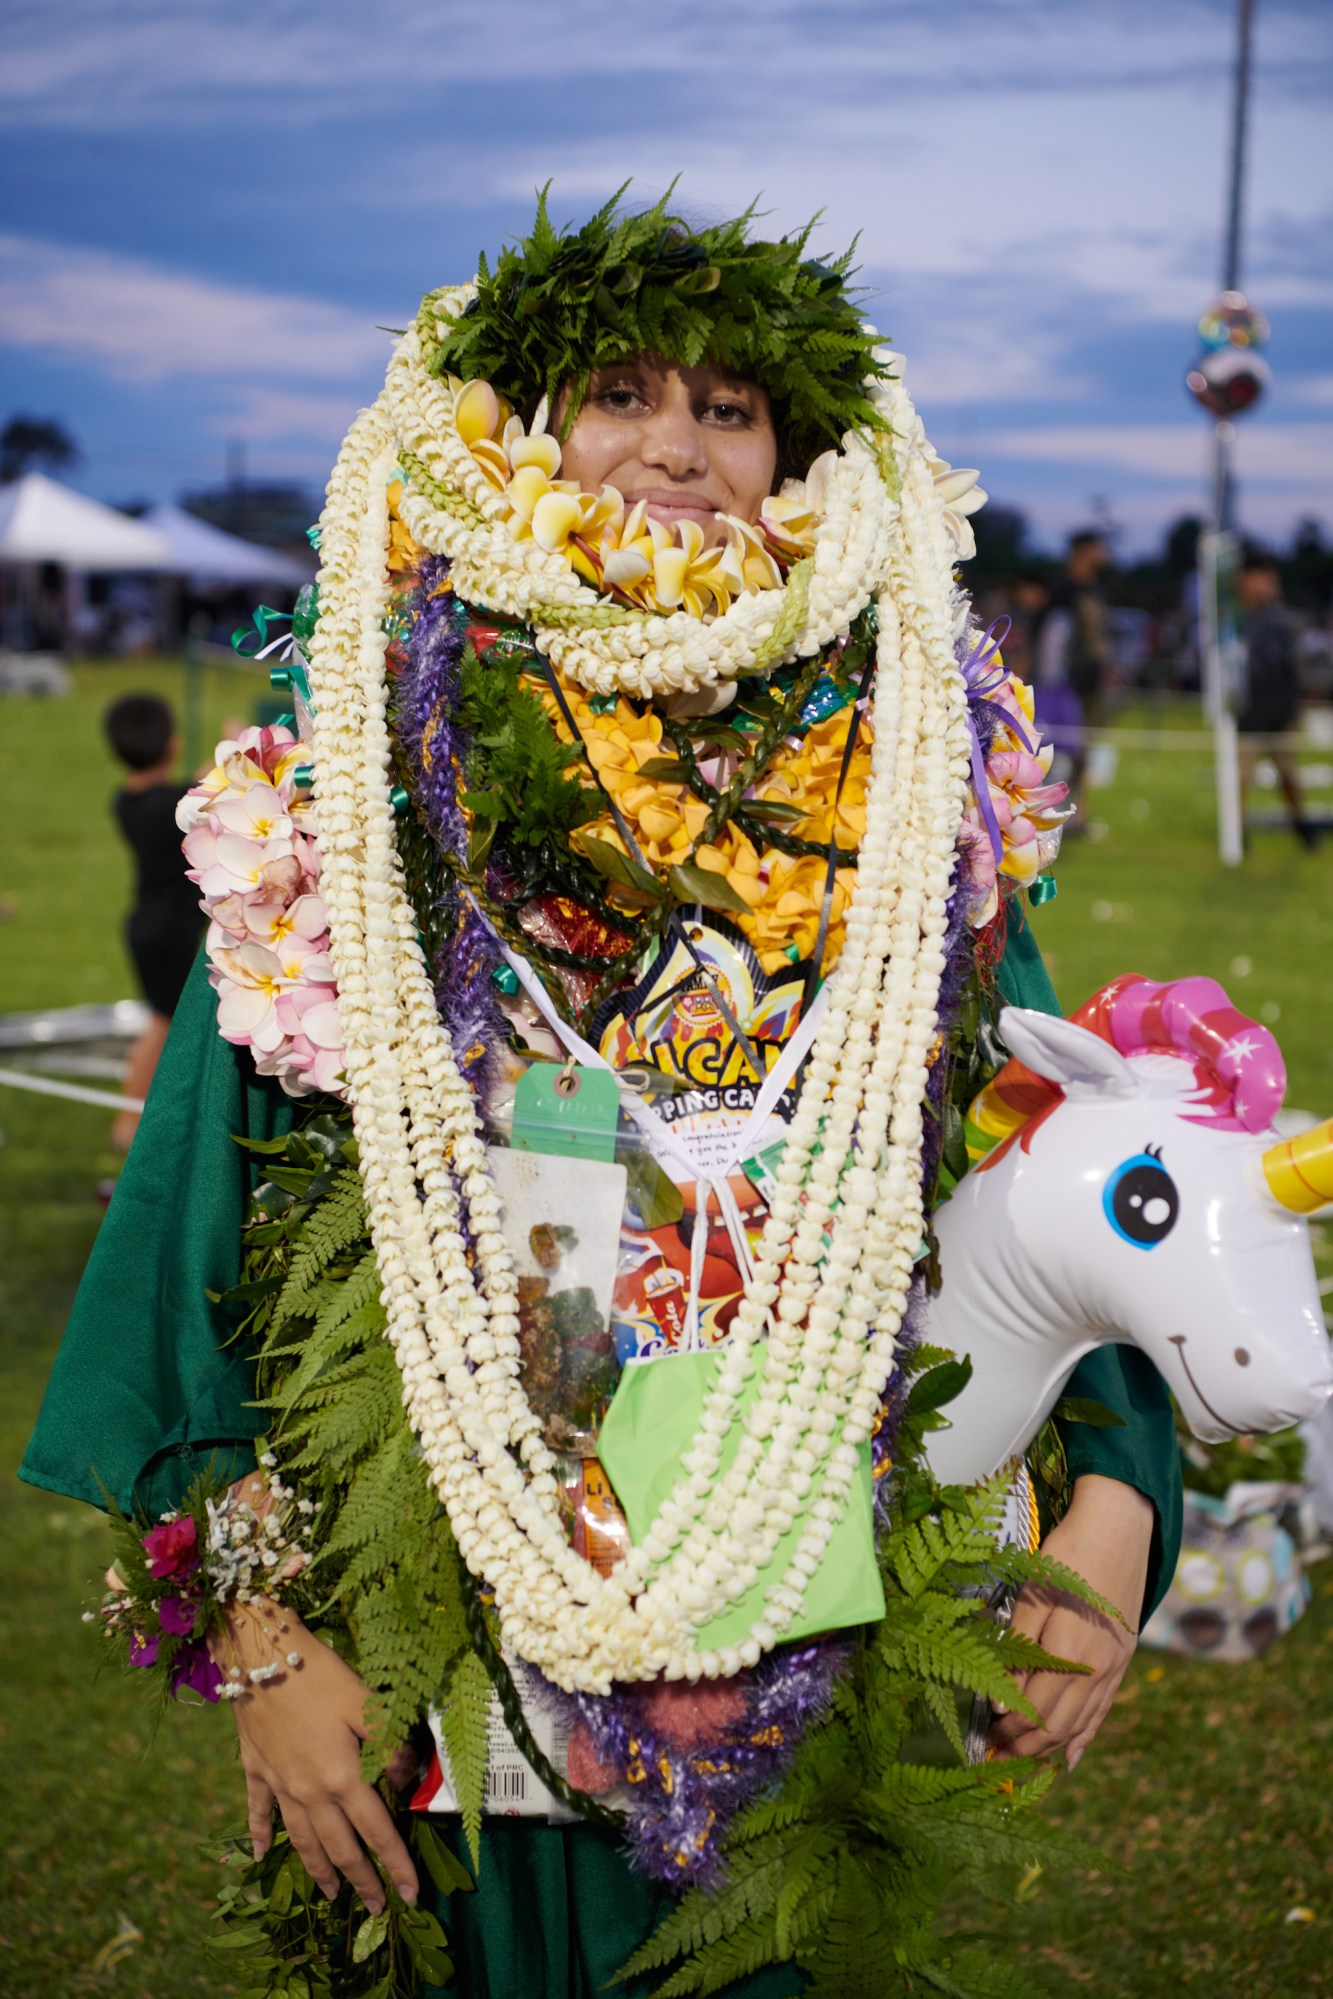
(1210, 1784)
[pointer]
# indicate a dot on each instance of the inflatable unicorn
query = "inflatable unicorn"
(1129, 1187)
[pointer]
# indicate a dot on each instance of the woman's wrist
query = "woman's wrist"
(1109, 1531)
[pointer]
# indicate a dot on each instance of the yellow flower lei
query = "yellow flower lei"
(784, 892)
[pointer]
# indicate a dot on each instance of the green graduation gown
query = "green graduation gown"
(150, 1384)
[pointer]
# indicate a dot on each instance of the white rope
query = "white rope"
(74, 1093)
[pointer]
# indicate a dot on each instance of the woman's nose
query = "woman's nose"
(673, 438)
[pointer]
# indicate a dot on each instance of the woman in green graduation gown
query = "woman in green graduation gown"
(638, 645)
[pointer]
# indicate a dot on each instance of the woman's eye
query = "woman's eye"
(621, 397)
(729, 412)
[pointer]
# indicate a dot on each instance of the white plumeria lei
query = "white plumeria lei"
(818, 1321)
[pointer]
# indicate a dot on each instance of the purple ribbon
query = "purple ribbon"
(983, 675)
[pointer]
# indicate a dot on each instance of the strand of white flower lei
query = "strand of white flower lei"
(633, 652)
(456, 1342)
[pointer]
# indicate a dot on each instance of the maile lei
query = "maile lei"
(539, 725)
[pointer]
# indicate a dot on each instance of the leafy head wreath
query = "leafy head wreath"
(562, 305)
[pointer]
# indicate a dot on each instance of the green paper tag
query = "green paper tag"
(574, 1111)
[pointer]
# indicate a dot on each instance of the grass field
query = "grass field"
(1210, 1785)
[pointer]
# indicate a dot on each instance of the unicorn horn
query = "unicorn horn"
(1299, 1171)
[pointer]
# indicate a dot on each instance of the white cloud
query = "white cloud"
(1290, 455)
(278, 417)
(84, 63)
(140, 322)
(1316, 391)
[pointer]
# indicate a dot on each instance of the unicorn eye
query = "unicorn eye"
(1140, 1200)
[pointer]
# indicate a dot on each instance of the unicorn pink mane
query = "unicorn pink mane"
(1239, 1075)
(1238, 1068)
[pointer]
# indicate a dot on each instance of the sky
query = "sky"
(210, 210)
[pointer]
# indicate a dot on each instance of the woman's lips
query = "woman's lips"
(673, 506)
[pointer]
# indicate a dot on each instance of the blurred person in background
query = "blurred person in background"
(1271, 694)
(1071, 660)
(164, 925)
(1029, 599)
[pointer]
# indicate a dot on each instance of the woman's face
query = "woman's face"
(692, 443)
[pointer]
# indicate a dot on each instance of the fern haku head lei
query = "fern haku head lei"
(562, 304)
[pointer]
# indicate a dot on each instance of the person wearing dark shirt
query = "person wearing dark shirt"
(1271, 696)
(1071, 658)
(164, 925)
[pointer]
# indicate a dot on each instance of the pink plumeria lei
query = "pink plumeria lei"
(249, 842)
(1028, 810)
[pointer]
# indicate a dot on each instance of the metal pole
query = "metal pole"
(1231, 264)
(193, 718)
(1221, 662)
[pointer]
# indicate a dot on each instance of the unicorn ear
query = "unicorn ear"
(1065, 1053)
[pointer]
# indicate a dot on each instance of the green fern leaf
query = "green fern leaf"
(465, 1722)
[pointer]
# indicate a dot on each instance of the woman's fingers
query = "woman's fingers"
(259, 1803)
(367, 1812)
(337, 1835)
(1057, 1702)
(303, 1836)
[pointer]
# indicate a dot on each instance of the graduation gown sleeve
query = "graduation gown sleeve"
(149, 1383)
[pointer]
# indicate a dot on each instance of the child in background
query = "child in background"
(165, 922)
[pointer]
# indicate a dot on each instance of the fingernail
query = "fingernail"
(256, 1849)
(374, 1905)
(329, 1888)
(409, 1895)
(1075, 1757)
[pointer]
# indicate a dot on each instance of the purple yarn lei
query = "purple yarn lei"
(683, 1801)
(432, 748)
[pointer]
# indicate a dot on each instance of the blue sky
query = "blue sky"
(208, 208)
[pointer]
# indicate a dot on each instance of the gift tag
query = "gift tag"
(571, 1110)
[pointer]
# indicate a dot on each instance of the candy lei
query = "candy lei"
(607, 648)
(819, 1325)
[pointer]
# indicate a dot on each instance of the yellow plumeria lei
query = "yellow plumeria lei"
(620, 550)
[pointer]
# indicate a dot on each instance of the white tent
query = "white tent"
(196, 548)
(42, 521)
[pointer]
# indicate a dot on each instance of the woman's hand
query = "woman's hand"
(301, 1737)
(1105, 1537)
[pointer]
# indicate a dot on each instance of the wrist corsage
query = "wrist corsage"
(175, 1580)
